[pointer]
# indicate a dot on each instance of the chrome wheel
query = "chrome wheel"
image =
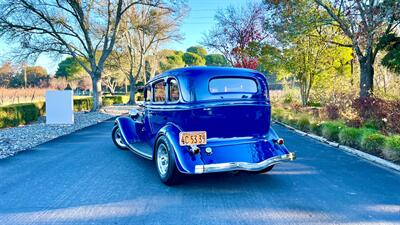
(118, 138)
(162, 160)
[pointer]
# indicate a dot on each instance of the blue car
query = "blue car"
(199, 120)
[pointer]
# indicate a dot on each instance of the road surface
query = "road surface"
(83, 179)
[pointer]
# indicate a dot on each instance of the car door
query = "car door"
(156, 112)
(144, 146)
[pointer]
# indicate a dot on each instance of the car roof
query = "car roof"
(193, 71)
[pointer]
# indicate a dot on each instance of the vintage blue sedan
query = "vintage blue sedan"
(198, 120)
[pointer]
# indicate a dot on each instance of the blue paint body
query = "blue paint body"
(237, 124)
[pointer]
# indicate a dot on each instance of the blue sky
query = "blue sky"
(199, 20)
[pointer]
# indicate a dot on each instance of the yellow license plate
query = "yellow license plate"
(192, 138)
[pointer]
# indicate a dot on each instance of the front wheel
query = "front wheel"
(165, 163)
(117, 138)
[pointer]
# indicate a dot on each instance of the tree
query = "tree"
(302, 50)
(192, 59)
(170, 59)
(197, 50)
(144, 29)
(69, 68)
(36, 76)
(364, 22)
(239, 34)
(391, 60)
(7, 72)
(216, 60)
(76, 28)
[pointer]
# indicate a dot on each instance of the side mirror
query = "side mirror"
(134, 113)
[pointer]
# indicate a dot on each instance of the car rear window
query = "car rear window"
(232, 85)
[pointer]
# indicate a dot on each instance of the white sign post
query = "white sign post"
(59, 107)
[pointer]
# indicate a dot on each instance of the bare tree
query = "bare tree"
(143, 29)
(68, 27)
(238, 33)
(364, 22)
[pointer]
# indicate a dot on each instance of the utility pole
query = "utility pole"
(25, 79)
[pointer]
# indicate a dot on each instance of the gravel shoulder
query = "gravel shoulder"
(16, 139)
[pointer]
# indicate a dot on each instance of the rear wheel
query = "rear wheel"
(165, 163)
(117, 138)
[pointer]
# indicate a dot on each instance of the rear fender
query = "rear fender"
(131, 130)
(184, 159)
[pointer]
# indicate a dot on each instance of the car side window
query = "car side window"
(173, 90)
(148, 94)
(159, 92)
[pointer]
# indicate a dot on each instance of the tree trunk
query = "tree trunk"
(366, 76)
(132, 92)
(97, 94)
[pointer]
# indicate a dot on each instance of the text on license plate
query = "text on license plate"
(193, 138)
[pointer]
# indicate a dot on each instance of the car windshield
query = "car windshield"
(232, 85)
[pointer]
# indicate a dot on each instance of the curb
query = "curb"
(353, 151)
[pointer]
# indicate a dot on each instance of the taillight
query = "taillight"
(278, 141)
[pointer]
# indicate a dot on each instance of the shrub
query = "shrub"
(292, 122)
(371, 108)
(303, 124)
(288, 98)
(392, 123)
(373, 124)
(373, 143)
(296, 107)
(314, 104)
(332, 111)
(108, 101)
(316, 128)
(330, 130)
(351, 137)
(351, 117)
(14, 115)
(277, 114)
(83, 104)
(392, 148)
(116, 99)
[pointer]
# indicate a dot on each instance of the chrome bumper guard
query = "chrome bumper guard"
(232, 166)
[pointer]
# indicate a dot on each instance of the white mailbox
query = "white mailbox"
(59, 107)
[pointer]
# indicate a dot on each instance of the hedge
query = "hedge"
(392, 148)
(366, 139)
(20, 114)
(331, 130)
(303, 124)
(373, 143)
(117, 99)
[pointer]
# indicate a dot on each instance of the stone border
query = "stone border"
(353, 151)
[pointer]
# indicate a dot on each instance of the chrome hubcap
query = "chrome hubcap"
(118, 138)
(162, 159)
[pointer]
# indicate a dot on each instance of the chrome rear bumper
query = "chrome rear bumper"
(232, 166)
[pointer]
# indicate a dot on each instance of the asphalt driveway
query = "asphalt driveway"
(83, 179)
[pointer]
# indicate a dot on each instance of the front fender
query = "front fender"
(184, 159)
(131, 130)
